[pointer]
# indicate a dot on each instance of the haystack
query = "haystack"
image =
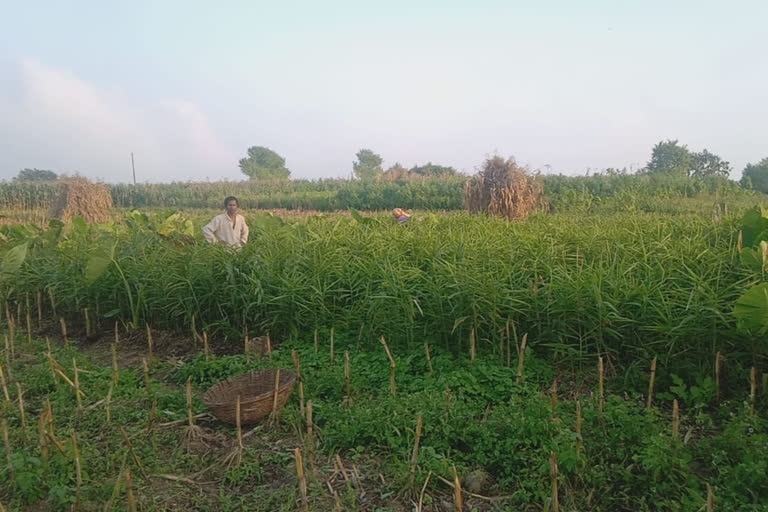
(505, 189)
(79, 197)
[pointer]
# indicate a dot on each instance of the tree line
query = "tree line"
(668, 157)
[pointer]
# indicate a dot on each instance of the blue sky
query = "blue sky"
(560, 85)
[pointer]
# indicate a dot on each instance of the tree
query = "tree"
(755, 176)
(433, 170)
(708, 164)
(36, 175)
(669, 158)
(368, 165)
(264, 164)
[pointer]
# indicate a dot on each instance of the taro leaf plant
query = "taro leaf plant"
(751, 309)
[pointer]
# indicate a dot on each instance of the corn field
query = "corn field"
(596, 194)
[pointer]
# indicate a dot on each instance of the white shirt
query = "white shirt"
(220, 229)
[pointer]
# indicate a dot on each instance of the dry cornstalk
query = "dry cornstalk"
(650, 383)
(6, 395)
(509, 344)
(29, 328)
(429, 359)
(87, 323)
(553, 473)
(342, 469)
(22, 415)
(129, 444)
(420, 506)
(115, 369)
(116, 487)
(78, 472)
(49, 355)
(63, 375)
(129, 490)
(152, 415)
(675, 420)
(457, 499)
(41, 436)
(206, 348)
(11, 326)
(752, 390)
(302, 480)
(273, 416)
(579, 444)
(718, 359)
(247, 347)
(521, 359)
(310, 427)
(415, 453)
(316, 342)
(145, 367)
(269, 346)
(392, 388)
(710, 499)
(472, 351)
(77, 385)
(195, 336)
(297, 365)
(332, 333)
(4, 425)
(39, 310)
(347, 385)
(63, 325)
(336, 502)
(53, 301)
(600, 384)
(108, 404)
(235, 457)
(49, 414)
(8, 350)
(192, 433)
(150, 345)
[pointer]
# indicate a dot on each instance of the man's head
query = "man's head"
(232, 205)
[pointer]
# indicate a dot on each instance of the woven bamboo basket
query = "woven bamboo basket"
(257, 395)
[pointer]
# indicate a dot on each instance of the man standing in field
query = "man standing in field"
(228, 228)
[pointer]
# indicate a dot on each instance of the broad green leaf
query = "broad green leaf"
(751, 258)
(754, 226)
(97, 264)
(14, 258)
(751, 310)
(79, 224)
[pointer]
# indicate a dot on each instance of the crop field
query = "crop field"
(607, 355)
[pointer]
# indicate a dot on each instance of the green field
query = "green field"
(615, 273)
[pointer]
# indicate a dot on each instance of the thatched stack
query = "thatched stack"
(78, 197)
(505, 189)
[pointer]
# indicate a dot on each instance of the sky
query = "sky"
(561, 86)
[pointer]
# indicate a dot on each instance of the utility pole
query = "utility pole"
(134, 170)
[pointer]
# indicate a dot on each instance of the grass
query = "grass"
(625, 459)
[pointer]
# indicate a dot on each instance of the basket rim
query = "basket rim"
(210, 402)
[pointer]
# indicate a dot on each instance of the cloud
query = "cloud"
(58, 120)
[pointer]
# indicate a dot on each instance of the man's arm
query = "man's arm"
(244, 233)
(209, 231)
